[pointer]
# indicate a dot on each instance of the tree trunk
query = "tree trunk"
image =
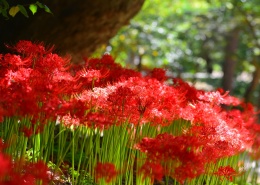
(254, 83)
(77, 27)
(230, 60)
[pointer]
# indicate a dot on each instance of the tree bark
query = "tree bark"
(76, 27)
(230, 60)
(253, 84)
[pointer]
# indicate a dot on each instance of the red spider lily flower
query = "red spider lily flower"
(75, 107)
(191, 94)
(28, 132)
(116, 72)
(226, 172)
(226, 148)
(25, 173)
(5, 163)
(203, 131)
(166, 147)
(19, 76)
(231, 101)
(121, 96)
(105, 170)
(189, 152)
(27, 47)
(14, 62)
(147, 145)
(90, 78)
(249, 114)
(39, 170)
(158, 148)
(212, 97)
(69, 121)
(32, 78)
(228, 100)
(152, 171)
(122, 102)
(143, 104)
(219, 97)
(187, 172)
(98, 120)
(159, 74)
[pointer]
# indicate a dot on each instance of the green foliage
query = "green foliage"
(14, 10)
(190, 36)
(33, 8)
(6, 10)
(23, 10)
(4, 6)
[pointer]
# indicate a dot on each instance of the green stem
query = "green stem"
(72, 156)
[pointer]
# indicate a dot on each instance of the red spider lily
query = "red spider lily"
(191, 94)
(27, 47)
(14, 62)
(168, 147)
(28, 173)
(20, 172)
(17, 93)
(116, 72)
(98, 120)
(122, 103)
(90, 78)
(249, 114)
(39, 171)
(219, 97)
(28, 132)
(29, 79)
(105, 170)
(159, 74)
(186, 172)
(162, 101)
(143, 104)
(226, 172)
(5, 163)
(192, 150)
(69, 121)
(152, 170)
(121, 96)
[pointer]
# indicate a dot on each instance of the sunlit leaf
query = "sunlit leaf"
(39, 4)
(23, 10)
(14, 10)
(46, 8)
(33, 8)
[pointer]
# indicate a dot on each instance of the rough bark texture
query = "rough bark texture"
(230, 60)
(77, 27)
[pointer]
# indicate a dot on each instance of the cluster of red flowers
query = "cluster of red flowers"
(106, 170)
(38, 84)
(13, 172)
(226, 172)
